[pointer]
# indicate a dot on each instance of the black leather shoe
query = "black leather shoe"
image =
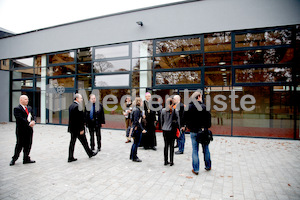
(178, 152)
(72, 159)
(28, 161)
(207, 169)
(93, 154)
(12, 162)
(166, 163)
(154, 148)
(99, 149)
(137, 160)
(171, 164)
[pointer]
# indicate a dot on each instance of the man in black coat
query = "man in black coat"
(76, 128)
(94, 115)
(24, 123)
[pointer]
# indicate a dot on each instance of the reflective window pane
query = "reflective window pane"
(23, 73)
(23, 62)
(4, 64)
(38, 61)
(267, 75)
(84, 82)
(141, 79)
(61, 70)
(218, 76)
(142, 49)
(178, 45)
(179, 61)
(267, 38)
(112, 52)
(84, 54)
(112, 80)
(267, 56)
(23, 84)
(142, 64)
(217, 41)
(67, 82)
(178, 77)
(112, 66)
(61, 58)
(215, 59)
(84, 68)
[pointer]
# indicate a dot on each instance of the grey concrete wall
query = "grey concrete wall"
(173, 20)
(4, 96)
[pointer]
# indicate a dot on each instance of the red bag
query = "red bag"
(177, 133)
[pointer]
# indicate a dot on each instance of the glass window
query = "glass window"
(272, 115)
(84, 54)
(179, 61)
(23, 62)
(267, 38)
(61, 58)
(217, 41)
(38, 61)
(84, 82)
(23, 84)
(67, 82)
(142, 49)
(178, 45)
(112, 66)
(215, 59)
(142, 64)
(217, 76)
(112, 52)
(61, 70)
(141, 79)
(266, 56)
(23, 73)
(84, 68)
(4, 64)
(112, 80)
(178, 77)
(266, 75)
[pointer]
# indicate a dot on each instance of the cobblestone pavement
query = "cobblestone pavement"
(242, 168)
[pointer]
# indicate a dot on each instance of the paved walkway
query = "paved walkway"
(242, 168)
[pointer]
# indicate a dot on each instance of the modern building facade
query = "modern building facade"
(228, 48)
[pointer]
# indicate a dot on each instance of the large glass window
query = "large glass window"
(84, 82)
(84, 54)
(62, 58)
(215, 59)
(112, 80)
(178, 45)
(178, 61)
(67, 82)
(141, 79)
(178, 77)
(142, 49)
(61, 70)
(23, 62)
(267, 75)
(112, 52)
(23, 73)
(217, 41)
(84, 68)
(111, 66)
(22, 84)
(217, 76)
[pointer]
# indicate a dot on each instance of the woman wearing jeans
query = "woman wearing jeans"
(137, 129)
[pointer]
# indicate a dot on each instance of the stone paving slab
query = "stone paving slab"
(242, 168)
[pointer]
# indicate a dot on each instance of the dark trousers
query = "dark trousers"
(23, 142)
(169, 140)
(149, 138)
(84, 143)
(136, 142)
(95, 129)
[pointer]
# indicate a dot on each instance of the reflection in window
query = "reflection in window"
(23, 84)
(141, 79)
(61, 58)
(142, 48)
(84, 82)
(112, 80)
(179, 61)
(267, 38)
(217, 41)
(65, 82)
(267, 56)
(178, 77)
(61, 70)
(84, 68)
(23, 73)
(215, 59)
(267, 75)
(112, 52)
(4, 64)
(142, 64)
(218, 76)
(38, 61)
(178, 45)
(84, 54)
(112, 66)
(24, 62)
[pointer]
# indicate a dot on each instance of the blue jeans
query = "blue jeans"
(136, 142)
(181, 141)
(195, 155)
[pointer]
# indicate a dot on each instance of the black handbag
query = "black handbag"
(204, 137)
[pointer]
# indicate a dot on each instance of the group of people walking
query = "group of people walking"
(140, 119)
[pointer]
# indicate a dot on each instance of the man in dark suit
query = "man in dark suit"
(24, 123)
(76, 128)
(94, 119)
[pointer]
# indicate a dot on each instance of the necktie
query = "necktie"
(92, 112)
(26, 110)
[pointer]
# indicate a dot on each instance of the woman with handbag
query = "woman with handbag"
(137, 129)
(170, 122)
